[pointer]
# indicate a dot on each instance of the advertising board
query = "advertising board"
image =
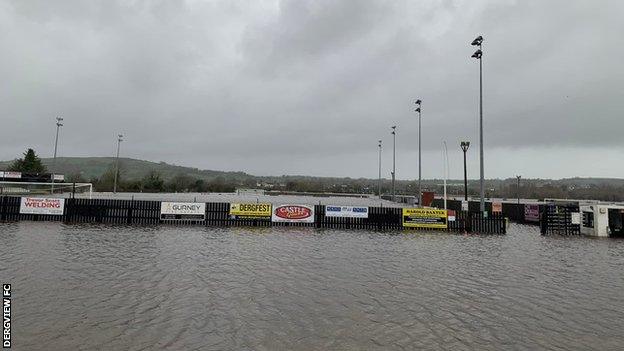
(531, 213)
(346, 211)
(12, 175)
(182, 211)
(250, 210)
(497, 207)
(41, 205)
(451, 215)
(293, 214)
(424, 218)
(575, 217)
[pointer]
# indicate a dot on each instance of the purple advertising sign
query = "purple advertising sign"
(531, 213)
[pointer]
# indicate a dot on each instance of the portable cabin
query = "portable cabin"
(603, 220)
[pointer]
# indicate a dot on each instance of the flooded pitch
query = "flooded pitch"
(118, 287)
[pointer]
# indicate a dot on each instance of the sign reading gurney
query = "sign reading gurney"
(40, 205)
(293, 214)
(182, 211)
(424, 218)
(250, 210)
(346, 211)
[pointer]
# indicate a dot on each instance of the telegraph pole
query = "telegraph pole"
(59, 124)
(518, 188)
(119, 140)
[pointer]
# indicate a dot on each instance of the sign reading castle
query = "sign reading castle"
(293, 214)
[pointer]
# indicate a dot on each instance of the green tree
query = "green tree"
(31, 163)
(153, 182)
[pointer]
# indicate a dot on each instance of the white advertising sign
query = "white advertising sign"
(575, 217)
(293, 214)
(464, 205)
(183, 211)
(40, 205)
(14, 175)
(60, 177)
(346, 211)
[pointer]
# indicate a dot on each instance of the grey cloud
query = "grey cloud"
(309, 86)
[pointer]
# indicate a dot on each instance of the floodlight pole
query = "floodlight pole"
(59, 124)
(379, 181)
(418, 103)
(119, 140)
(478, 55)
(393, 162)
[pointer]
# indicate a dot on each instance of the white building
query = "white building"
(601, 219)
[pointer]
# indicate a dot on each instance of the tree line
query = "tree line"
(154, 181)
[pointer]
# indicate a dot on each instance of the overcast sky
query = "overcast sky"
(308, 87)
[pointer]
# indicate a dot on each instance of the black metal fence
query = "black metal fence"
(513, 211)
(557, 219)
(217, 214)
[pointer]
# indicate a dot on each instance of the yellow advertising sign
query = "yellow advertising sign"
(424, 218)
(250, 210)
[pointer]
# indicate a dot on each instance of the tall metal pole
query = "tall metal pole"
(478, 55)
(446, 171)
(481, 179)
(518, 188)
(379, 181)
(464, 145)
(419, 161)
(418, 103)
(393, 161)
(119, 140)
(59, 124)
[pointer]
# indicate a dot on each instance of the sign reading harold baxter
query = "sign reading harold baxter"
(182, 211)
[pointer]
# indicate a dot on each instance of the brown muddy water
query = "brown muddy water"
(97, 287)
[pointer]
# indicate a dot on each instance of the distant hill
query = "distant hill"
(179, 178)
(94, 167)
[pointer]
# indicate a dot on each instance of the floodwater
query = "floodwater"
(194, 288)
